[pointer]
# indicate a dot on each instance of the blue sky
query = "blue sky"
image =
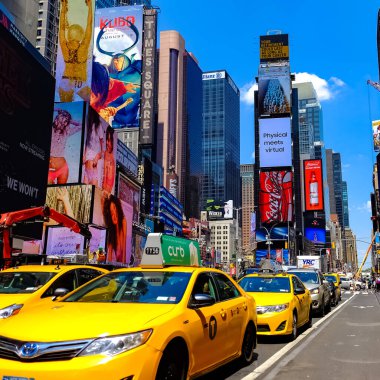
(332, 43)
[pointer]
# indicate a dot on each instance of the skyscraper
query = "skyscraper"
(179, 120)
(221, 138)
(247, 172)
(346, 216)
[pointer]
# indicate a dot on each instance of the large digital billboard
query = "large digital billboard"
(376, 135)
(63, 241)
(276, 196)
(116, 76)
(313, 185)
(274, 48)
(275, 142)
(74, 56)
(26, 110)
(315, 228)
(74, 201)
(218, 210)
(129, 193)
(66, 140)
(99, 153)
(274, 90)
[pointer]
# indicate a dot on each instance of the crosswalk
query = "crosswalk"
(362, 291)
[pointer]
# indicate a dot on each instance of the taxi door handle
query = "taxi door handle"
(245, 306)
(223, 313)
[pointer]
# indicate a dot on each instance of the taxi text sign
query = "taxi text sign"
(161, 250)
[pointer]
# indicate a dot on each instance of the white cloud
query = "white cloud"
(365, 207)
(247, 93)
(326, 89)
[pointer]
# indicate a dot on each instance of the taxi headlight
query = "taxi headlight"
(271, 309)
(115, 345)
(315, 291)
(8, 311)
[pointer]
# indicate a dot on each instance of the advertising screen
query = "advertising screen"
(74, 56)
(274, 48)
(116, 216)
(278, 255)
(275, 142)
(315, 228)
(129, 193)
(276, 196)
(74, 201)
(26, 110)
(66, 140)
(99, 153)
(126, 159)
(313, 185)
(376, 135)
(217, 210)
(98, 238)
(116, 76)
(276, 233)
(63, 241)
(274, 90)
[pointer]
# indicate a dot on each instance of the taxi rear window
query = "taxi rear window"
(23, 282)
(266, 284)
(135, 287)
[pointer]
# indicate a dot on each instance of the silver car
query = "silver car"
(346, 283)
(320, 294)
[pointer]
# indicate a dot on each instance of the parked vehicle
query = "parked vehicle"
(346, 283)
(335, 278)
(318, 286)
(334, 297)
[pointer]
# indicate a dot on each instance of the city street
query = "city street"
(338, 346)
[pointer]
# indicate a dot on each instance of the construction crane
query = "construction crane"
(359, 271)
(374, 84)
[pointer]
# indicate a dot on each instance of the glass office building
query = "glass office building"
(220, 138)
(117, 3)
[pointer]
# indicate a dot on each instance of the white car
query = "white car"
(346, 283)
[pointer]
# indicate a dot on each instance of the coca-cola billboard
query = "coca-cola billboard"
(313, 185)
(276, 196)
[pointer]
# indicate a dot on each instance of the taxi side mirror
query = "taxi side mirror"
(299, 291)
(60, 292)
(201, 300)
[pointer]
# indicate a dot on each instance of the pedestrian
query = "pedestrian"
(377, 284)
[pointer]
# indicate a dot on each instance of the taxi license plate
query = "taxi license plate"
(17, 378)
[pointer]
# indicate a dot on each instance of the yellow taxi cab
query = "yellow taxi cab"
(32, 284)
(167, 318)
(283, 303)
(335, 278)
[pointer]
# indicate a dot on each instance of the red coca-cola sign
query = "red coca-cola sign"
(276, 196)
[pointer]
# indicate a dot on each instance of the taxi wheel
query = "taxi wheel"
(294, 333)
(172, 365)
(249, 343)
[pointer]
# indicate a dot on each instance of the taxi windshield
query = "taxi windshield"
(266, 284)
(307, 277)
(135, 287)
(331, 278)
(23, 282)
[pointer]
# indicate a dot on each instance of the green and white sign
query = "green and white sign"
(161, 250)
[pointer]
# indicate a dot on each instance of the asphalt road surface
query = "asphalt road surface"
(345, 344)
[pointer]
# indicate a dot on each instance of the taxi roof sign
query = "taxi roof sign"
(163, 250)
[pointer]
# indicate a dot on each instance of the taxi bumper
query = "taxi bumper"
(279, 323)
(127, 366)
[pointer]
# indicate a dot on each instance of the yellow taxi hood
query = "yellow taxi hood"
(268, 299)
(10, 299)
(70, 321)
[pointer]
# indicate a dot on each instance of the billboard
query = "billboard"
(98, 238)
(313, 185)
(276, 196)
(218, 210)
(214, 75)
(74, 201)
(274, 90)
(74, 56)
(115, 215)
(276, 233)
(274, 48)
(277, 255)
(66, 140)
(275, 142)
(99, 153)
(376, 135)
(129, 193)
(148, 77)
(63, 241)
(315, 229)
(116, 76)
(26, 110)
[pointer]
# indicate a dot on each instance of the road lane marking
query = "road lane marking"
(284, 350)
